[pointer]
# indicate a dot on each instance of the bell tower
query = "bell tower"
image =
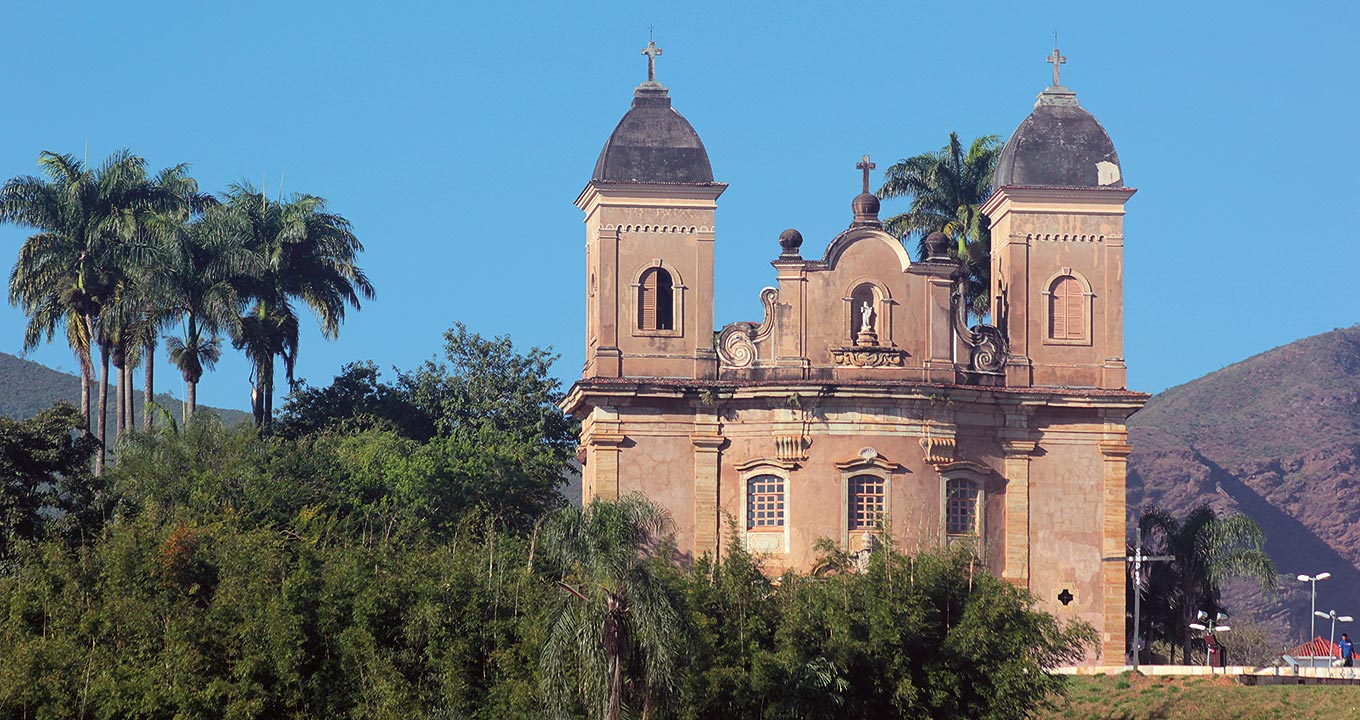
(1057, 220)
(649, 213)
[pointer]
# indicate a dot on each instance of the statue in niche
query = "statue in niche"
(866, 337)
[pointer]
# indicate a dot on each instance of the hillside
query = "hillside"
(30, 388)
(1277, 437)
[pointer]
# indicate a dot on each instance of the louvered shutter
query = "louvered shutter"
(647, 301)
(1067, 310)
(1057, 311)
(1076, 310)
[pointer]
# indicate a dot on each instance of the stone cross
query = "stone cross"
(866, 166)
(651, 51)
(1057, 59)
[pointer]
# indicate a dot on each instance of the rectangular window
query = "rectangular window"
(866, 502)
(765, 503)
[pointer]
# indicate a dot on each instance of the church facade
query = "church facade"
(862, 399)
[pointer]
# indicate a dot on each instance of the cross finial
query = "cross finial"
(651, 51)
(866, 165)
(1057, 59)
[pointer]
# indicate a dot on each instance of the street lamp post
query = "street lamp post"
(1332, 614)
(1203, 625)
(1312, 580)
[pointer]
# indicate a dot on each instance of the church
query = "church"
(862, 399)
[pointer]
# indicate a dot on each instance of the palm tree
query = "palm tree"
(199, 284)
(68, 271)
(308, 256)
(947, 189)
(1208, 550)
(617, 622)
(193, 283)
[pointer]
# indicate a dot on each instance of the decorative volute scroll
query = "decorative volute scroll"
(737, 341)
(987, 345)
(735, 346)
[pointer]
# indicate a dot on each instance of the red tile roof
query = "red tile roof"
(1317, 647)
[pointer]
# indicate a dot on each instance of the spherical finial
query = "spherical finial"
(789, 241)
(865, 207)
(937, 246)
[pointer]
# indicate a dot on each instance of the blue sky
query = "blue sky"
(455, 138)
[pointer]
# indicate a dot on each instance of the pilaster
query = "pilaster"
(790, 321)
(707, 457)
(1016, 464)
(1116, 453)
(1017, 446)
(603, 463)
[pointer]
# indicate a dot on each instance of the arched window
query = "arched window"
(866, 502)
(1067, 309)
(656, 301)
(962, 507)
(765, 503)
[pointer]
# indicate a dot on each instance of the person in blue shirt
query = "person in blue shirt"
(1347, 651)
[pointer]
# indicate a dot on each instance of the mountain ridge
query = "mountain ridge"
(33, 387)
(1276, 437)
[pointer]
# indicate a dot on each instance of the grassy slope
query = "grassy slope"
(1126, 697)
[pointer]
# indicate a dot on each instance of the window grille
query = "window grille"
(765, 502)
(961, 507)
(866, 502)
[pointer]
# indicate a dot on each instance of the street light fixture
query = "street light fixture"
(1203, 625)
(1332, 614)
(1312, 579)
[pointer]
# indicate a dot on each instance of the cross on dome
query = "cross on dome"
(866, 166)
(651, 51)
(1057, 59)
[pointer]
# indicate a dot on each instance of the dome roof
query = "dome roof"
(653, 144)
(1059, 145)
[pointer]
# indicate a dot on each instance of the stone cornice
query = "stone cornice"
(1104, 200)
(698, 195)
(711, 442)
(604, 439)
(1116, 449)
(1019, 448)
(610, 391)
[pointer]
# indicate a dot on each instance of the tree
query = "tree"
(617, 626)
(1207, 550)
(357, 399)
(198, 285)
(69, 271)
(947, 189)
(490, 386)
(45, 484)
(188, 281)
(308, 255)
